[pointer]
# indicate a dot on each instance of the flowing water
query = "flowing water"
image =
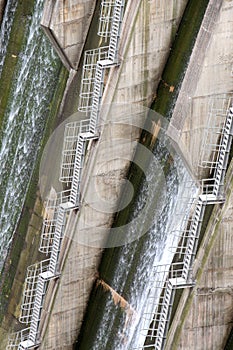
(156, 250)
(24, 122)
(109, 324)
(22, 130)
(121, 329)
(6, 29)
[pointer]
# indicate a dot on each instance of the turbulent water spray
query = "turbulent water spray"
(24, 123)
(6, 29)
(156, 250)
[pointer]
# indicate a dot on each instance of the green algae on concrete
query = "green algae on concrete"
(24, 249)
(178, 59)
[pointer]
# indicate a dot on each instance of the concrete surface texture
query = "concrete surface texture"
(203, 318)
(144, 55)
(66, 23)
(207, 82)
(145, 43)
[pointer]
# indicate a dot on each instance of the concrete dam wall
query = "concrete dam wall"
(203, 317)
(135, 80)
(66, 24)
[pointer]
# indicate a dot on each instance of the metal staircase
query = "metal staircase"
(72, 131)
(106, 17)
(40, 275)
(50, 219)
(28, 297)
(75, 138)
(164, 315)
(179, 275)
(40, 292)
(46, 241)
(115, 30)
(212, 187)
(98, 93)
(96, 61)
(30, 288)
(192, 236)
(78, 165)
(47, 270)
(32, 339)
(223, 156)
(58, 234)
(186, 250)
(48, 228)
(91, 58)
(165, 280)
(109, 61)
(172, 284)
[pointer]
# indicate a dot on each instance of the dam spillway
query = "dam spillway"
(22, 124)
(113, 73)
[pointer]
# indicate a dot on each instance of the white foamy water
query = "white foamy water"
(176, 213)
(140, 261)
(6, 29)
(23, 124)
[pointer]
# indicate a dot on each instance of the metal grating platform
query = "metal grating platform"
(16, 338)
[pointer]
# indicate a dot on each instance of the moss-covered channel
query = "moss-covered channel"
(24, 247)
(104, 321)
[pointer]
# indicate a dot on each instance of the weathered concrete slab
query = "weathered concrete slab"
(208, 78)
(148, 49)
(66, 24)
